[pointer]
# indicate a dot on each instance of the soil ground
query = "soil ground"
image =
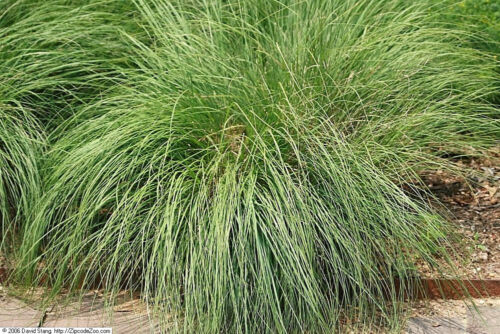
(473, 204)
(473, 208)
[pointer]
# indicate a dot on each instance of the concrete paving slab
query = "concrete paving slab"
(487, 323)
(128, 316)
(15, 313)
(121, 322)
(436, 326)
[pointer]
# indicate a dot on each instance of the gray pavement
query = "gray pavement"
(126, 317)
(130, 316)
(486, 322)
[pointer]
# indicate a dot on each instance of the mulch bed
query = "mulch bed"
(473, 202)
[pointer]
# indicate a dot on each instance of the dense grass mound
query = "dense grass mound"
(51, 63)
(241, 163)
(21, 142)
(46, 72)
(481, 17)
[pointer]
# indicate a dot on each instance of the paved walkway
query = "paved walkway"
(130, 316)
(471, 323)
(127, 317)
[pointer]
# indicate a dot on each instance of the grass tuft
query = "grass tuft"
(241, 164)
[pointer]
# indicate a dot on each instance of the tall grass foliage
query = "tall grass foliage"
(239, 163)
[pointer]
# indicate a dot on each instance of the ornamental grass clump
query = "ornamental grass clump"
(51, 64)
(20, 186)
(242, 164)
